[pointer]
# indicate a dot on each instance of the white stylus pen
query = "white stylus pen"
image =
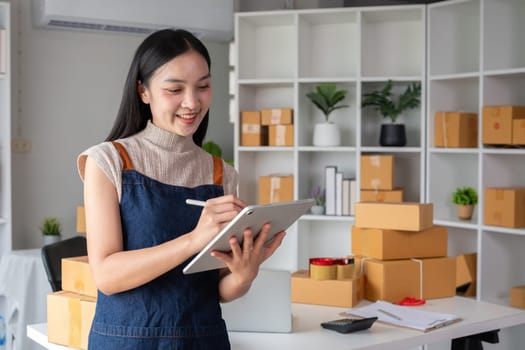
(195, 202)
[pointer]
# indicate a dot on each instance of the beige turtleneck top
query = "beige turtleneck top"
(160, 155)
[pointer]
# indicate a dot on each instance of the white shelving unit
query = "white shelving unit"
(281, 56)
(476, 57)
(5, 138)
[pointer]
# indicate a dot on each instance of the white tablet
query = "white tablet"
(280, 215)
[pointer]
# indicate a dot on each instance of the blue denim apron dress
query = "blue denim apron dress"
(173, 311)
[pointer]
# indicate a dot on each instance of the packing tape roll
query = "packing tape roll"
(331, 268)
(345, 271)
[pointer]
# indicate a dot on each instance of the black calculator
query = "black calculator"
(349, 325)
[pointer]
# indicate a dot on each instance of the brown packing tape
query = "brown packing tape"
(75, 324)
(323, 272)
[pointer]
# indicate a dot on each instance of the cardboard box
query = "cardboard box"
(497, 123)
(518, 132)
(81, 220)
(275, 188)
(456, 129)
(77, 277)
(505, 207)
(394, 216)
(280, 135)
(69, 318)
(388, 196)
(277, 116)
(466, 274)
(394, 280)
(252, 132)
(343, 293)
(377, 172)
(394, 244)
(466, 269)
(517, 297)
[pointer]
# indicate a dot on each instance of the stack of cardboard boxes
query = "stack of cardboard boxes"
(267, 127)
(377, 179)
(401, 253)
(503, 125)
(70, 311)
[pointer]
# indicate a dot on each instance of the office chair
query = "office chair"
(52, 255)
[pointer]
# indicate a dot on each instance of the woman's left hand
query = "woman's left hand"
(244, 261)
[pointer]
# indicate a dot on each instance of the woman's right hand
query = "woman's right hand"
(216, 213)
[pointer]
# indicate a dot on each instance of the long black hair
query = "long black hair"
(157, 49)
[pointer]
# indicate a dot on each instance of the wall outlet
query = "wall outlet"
(20, 145)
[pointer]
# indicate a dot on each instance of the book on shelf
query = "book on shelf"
(330, 172)
(348, 199)
(353, 196)
(404, 316)
(339, 193)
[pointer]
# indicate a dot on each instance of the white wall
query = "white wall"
(66, 92)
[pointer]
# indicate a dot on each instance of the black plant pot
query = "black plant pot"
(393, 135)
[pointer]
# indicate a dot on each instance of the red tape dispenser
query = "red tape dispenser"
(411, 301)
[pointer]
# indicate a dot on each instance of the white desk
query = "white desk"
(307, 333)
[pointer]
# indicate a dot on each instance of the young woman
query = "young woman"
(140, 231)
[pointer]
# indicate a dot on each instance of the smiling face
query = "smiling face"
(179, 93)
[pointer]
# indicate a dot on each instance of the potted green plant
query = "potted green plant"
(51, 230)
(393, 134)
(465, 198)
(318, 195)
(215, 150)
(327, 97)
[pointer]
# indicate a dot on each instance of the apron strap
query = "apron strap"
(217, 170)
(128, 165)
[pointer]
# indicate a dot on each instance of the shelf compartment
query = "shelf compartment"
(344, 118)
(504, 170)
(502, 265)
(312, 168)
(453, 95)
(328, 42)
(254, 97)
(317, 238)
(407, 175)
(454, 34)
(446, 172)
(386, 37)
(503, 34)
(504, 89)
(251, 165)
(263, 38)
(371, 119)
(462, 241)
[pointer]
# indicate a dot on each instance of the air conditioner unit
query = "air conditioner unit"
(207, 19)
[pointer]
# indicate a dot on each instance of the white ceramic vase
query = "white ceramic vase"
(317, 209)
(49, 239)
(326, 134)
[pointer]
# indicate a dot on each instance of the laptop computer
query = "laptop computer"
(267, 306)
